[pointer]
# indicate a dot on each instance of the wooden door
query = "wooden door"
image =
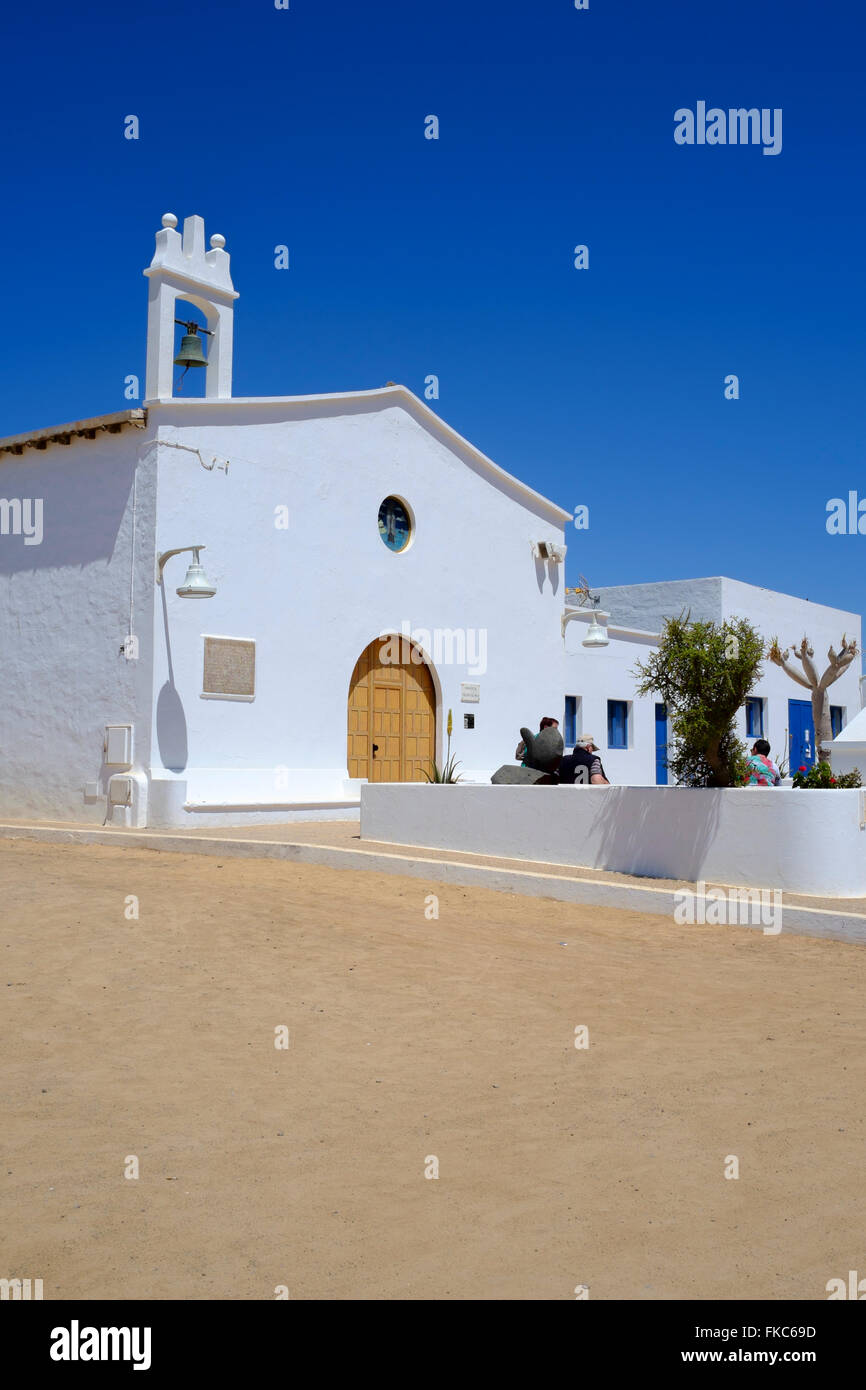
(392, 715)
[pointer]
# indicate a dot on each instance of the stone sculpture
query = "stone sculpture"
(543, 755)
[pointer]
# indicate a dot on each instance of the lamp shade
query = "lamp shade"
(596, 636)
(196, 584)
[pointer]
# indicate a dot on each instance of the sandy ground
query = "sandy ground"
(412, 1038)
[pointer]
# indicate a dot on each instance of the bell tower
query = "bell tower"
(181, 269)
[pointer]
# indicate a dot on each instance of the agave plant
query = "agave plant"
(448, 773)
(444, 774)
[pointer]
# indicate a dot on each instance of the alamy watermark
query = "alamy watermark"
(716, 907)
(77, 1343)
(22, 516)
(846, 518)
(444, 646)
(736, 126)
(20, 1290)
(856, 1288)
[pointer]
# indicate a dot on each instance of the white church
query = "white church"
(219, 610)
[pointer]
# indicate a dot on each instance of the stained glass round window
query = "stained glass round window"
(395, 524)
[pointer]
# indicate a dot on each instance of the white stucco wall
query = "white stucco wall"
(797, 841)
(315, 595)
(599, 674)
(645, 606)
(64, 612)
(849, 747)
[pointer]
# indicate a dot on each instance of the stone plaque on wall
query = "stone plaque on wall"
(470, 694)
(229, 669)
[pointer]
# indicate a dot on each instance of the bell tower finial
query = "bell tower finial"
(182, 269)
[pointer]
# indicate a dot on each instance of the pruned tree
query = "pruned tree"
(815, 684)
(703, 671)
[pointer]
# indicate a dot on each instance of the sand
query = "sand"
(410, 1039)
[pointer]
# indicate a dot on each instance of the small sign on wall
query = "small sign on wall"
(470, 694)
(229, 669)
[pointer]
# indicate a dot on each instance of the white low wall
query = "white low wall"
(795, 840)
(249, 796)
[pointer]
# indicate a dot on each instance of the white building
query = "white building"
(325, 521)
(325, 524)
(631, 731)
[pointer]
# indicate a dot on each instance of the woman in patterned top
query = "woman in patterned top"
(762, 772)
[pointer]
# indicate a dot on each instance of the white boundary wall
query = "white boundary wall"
(798, 841)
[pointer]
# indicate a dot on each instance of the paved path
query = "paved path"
(339, 844)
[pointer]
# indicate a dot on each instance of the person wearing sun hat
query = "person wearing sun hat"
(583, 764)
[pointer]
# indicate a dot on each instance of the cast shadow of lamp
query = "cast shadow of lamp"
(171, 726)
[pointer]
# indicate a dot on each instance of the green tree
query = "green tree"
(703, 671)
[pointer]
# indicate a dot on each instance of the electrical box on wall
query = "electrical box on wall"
(120, 791)
(117, 746)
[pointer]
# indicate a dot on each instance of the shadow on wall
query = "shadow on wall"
(82, 502)
(171, 732)
(635, 838)
(171, 727)
(546, 569)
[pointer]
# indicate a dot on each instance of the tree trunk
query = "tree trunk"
(720, 772)
(823, 730)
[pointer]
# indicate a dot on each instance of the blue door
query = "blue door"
(801, 732)
(661, 745)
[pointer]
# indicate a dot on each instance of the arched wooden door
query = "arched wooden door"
(392, 713)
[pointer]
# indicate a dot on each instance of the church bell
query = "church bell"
(191, 351)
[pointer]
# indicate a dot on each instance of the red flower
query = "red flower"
(802, 769)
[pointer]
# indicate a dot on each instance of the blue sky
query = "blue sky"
(410, 256)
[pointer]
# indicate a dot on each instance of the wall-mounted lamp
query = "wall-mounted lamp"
(596, 635)
(196, 584)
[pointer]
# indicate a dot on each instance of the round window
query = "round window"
(395, 524)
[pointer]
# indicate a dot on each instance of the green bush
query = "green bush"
(822, 775)
(703, 671)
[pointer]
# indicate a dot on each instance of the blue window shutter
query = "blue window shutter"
(570, 720)
(617, 727)
(754, 717)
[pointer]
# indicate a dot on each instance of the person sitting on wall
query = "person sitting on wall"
(582, 765)
(520, 750)
(762, 771)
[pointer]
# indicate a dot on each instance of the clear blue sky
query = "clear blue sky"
(454, 257)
